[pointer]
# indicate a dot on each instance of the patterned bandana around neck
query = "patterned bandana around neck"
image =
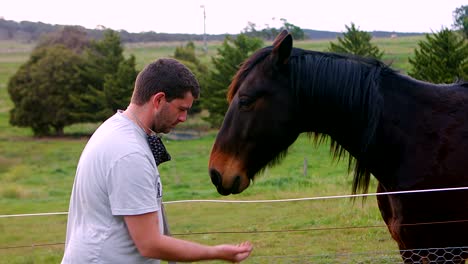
(159, 150)
(155, 143)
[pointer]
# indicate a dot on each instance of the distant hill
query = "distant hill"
(26, 31)
(317, 34)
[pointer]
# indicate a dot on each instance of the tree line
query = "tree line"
(27, 31)
(71, 78)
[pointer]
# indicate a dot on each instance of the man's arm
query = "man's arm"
(144, 230)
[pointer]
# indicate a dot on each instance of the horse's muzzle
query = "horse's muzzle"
(217, 181)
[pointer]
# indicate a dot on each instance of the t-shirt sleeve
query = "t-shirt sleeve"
(132, 186)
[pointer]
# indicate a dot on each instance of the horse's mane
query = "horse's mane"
(354, 80)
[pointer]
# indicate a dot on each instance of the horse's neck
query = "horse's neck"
(348, 117)
(411, 113)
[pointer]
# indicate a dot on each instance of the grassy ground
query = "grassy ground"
(36, 176)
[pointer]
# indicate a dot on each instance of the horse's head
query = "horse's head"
(260, 123)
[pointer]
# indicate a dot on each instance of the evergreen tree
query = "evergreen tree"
(356, 42)
(186, 55)
(441, 58)
(104, 62)
(41, 87)
(118, 87)
(230, 55)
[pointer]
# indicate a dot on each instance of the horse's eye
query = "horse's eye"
(245, 102)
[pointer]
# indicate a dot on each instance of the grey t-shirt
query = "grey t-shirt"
(116, 176)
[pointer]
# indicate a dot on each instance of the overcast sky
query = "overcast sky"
(222, 16)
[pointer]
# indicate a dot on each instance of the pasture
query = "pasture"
(36, 176)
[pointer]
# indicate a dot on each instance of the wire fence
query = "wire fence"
(45, 237)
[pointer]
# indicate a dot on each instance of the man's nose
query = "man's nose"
(183, 117)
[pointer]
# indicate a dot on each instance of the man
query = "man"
(115, 213)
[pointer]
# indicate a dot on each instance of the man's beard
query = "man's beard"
(161, 124)
(156, 127)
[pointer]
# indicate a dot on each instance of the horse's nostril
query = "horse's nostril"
(236, 185)
(215, 177)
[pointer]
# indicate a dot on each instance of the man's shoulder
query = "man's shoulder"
(118, 137)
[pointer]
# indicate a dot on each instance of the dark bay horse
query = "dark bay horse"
(408, 134)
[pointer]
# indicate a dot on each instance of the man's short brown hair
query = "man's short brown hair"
(164, 75)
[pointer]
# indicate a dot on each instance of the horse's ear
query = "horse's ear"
(280, 37)
(282, 46)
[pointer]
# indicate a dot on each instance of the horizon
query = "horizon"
(2, 18)
(220, 17)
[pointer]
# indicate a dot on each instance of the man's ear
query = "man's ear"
(156, 99)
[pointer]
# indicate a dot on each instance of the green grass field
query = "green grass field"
(36, 176)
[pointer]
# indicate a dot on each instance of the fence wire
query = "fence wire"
(455, 255)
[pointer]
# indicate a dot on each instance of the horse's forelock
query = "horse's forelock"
(234, 86)
(244, 70)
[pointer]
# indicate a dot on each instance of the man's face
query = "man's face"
(171, 113)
